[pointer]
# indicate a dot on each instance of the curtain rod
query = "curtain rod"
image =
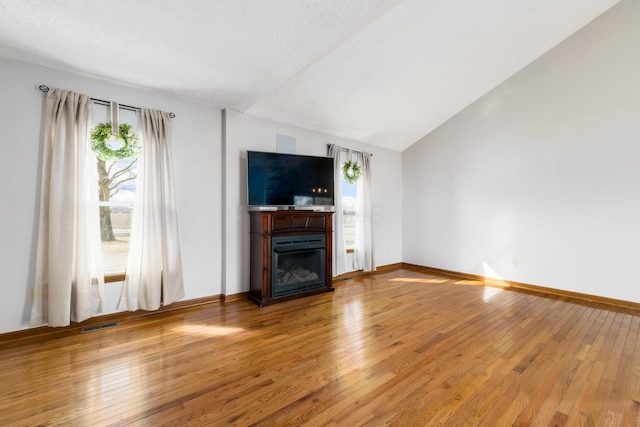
(45, 89)
(353, 151)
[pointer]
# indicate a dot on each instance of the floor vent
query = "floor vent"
(100, 327)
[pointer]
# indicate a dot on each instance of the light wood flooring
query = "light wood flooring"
(400, 348)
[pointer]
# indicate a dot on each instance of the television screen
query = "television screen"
(276, 179)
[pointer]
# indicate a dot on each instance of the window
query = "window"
(349, 211)
(117, 191)
(116, 188)
(68, 284)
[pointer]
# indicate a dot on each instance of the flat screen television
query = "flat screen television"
(277, 180)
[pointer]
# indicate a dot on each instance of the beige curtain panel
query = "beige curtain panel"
(69, 283)
(154, 271)
(363, 257)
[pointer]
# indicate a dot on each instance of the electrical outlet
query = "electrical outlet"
(514, 261)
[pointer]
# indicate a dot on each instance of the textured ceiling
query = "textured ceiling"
(386, 72)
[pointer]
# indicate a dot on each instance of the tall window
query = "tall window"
(69, 283)
(116, 188)
(349, 213)
(353, 210)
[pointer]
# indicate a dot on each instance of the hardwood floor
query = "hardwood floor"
(398, 348)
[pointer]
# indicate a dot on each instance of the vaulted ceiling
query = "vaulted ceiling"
(385, 72)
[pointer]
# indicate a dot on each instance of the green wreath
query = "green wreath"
(351, 171)
(130, 142)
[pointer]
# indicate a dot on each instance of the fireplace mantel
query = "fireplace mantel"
(306, 229)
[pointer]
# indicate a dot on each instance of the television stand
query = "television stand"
(290, 255)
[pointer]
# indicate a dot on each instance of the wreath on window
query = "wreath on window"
(351, 171)
(129, 139)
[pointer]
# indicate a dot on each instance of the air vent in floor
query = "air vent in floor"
(100, 327)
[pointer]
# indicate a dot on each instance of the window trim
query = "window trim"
(116, 277)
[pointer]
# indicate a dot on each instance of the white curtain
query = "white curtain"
(69, 282)
(154, 271)
(363, 256)
(339, 251)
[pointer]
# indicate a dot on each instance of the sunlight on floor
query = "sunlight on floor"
(351, 338)
(490, 292)
(416, 280)
(208, 330)
(353, 318)
(497, 282)
(490, 289)
(470, 282)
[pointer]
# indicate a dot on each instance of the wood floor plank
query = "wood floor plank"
(402, 347)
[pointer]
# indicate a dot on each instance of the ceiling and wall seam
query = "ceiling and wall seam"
(383, 72)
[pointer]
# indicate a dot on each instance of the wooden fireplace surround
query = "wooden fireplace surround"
(267, 224)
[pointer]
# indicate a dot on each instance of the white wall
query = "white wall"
(542, 171)
(200, 176)
(196, 135)
(244, 133)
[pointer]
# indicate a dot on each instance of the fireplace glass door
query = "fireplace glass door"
(298, 264)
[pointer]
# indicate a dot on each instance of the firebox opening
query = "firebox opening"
(298, 264)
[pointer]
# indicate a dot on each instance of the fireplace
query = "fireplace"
(298, 264)
(290, 255)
